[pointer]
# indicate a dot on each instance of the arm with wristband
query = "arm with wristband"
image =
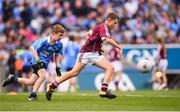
(39, 62)
(58, 59)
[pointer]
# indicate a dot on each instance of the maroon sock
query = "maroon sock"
(116, 84)
(54, 85)
(104, 87)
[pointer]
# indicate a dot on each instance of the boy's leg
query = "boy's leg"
(65, 76)
(11, 78)
(117, 79)
(108, 67)
(39, 81)
(42, 77)
(29, 81)
(164, 78)
(73, 84)
(15, 79)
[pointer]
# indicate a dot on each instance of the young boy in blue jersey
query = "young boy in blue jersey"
(70, 53)
(26, 71)
(42, 50)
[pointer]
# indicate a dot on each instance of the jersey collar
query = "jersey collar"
(106, 26)
(49, 37)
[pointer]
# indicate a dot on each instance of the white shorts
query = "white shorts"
(162, 65)
(117, 65)
(89, 57)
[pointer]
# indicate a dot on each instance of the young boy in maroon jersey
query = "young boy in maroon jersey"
(91, 54)
(161, 64)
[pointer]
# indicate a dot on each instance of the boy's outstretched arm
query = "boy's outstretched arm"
(115, 44)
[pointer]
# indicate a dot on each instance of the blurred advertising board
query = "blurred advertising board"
(91, 77)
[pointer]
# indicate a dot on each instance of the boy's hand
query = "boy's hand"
(58, 72)
(39, 63)
(101, 51)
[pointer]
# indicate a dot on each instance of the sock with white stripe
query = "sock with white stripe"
(104, 87)
(54, 85)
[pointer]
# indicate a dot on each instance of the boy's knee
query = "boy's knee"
(110, 68)
(42, 77)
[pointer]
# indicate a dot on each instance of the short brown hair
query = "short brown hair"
(112, 16)
(58, 28)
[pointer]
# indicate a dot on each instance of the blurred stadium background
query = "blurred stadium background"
(141, 22)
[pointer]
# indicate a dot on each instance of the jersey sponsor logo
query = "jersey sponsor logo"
(136, 55)
(50, 49)
(44, 53)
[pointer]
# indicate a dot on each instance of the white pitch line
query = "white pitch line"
(163, 96)
(150, 96)
(128, 95)
(82, 94)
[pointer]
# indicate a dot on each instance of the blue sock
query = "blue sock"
(33, 94)
(15, 79)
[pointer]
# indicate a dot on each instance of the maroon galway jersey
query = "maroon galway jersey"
(96, 38)
(113, 54)
(162, 52)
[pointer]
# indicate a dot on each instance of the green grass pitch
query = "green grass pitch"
(89, 101)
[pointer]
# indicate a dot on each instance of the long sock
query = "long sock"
(104, 87)
(54, 85)
(116, 83)
(33, 94)
(15, 79)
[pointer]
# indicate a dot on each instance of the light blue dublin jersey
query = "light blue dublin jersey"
(26, 56)
(45, 50)
(71, 51)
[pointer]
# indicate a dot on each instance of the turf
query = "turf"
(89, 101)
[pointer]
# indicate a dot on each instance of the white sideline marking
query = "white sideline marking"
(163, 96)
(150, 96)
(82, 94)
(128, 95)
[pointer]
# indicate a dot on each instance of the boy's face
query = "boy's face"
(112, 23)
(58, 36)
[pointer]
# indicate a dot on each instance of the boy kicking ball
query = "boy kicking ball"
(91, 53)
(42, 50)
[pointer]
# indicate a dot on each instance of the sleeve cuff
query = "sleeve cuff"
(103, 38)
